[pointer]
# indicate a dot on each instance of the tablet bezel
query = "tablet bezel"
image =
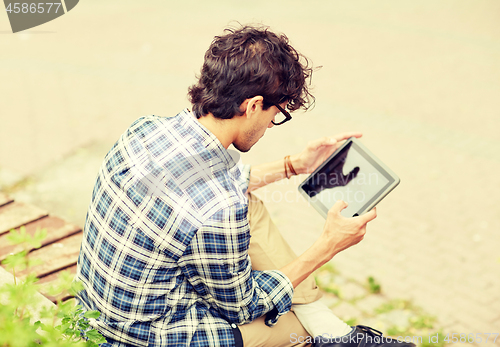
(393, 179)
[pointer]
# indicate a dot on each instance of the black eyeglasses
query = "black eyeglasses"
(284, 113)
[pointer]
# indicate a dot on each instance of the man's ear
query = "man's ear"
(252, 105)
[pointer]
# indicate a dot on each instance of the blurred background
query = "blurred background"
(420, 79)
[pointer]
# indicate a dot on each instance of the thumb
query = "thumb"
(338, 207)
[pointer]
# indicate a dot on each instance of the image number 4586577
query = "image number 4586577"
(25, 7)
(31, 13)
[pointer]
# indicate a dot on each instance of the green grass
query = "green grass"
(421, 325)
(373, 286)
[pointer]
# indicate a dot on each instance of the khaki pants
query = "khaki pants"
(269, 251)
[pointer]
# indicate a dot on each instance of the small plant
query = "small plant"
(423, 321)
(373, 286)
(421, 328)
(325, 279)
(397, 304)
(351, 322)
(62, 325)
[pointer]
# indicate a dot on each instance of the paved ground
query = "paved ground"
(420, 79)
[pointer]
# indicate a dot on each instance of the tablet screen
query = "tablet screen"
(351, 175)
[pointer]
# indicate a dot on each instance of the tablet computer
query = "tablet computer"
(353, 174)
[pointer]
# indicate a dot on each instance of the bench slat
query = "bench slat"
(4, 199)
(56, 256)
(59, 251)
(47, 281)
(17, 214)
(56, 229)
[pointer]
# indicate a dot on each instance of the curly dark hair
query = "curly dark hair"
(247, 62)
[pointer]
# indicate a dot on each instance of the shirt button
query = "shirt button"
(233, 326)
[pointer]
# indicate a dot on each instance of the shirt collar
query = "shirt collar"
(207, 138)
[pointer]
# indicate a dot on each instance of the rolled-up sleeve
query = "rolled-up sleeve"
(217, 265)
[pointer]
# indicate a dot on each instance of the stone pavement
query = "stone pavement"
(420, 79)
(435, 240)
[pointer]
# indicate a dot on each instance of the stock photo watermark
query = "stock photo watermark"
(24, 15)
(450, 338)
(154, 180)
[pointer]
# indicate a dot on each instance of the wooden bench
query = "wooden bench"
(60, 249)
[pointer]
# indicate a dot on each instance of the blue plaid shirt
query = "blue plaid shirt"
(164, 255)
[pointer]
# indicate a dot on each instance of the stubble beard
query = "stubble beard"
(251, 138)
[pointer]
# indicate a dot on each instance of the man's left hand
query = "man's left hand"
(317, 151)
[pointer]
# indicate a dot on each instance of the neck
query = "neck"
(226, 130)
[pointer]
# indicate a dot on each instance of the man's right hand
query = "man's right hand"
(340, 232)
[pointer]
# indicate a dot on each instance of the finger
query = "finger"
(324, 141)
(338, 206)
(351, 175)
(345, 136)
(369, 216)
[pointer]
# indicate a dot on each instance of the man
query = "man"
(177, 251)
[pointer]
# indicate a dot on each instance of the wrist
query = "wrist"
(297, 164)
(323, 251)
